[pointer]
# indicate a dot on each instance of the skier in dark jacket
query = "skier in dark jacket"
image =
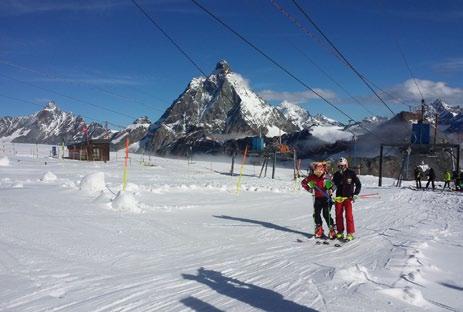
(460, 181)
(347, 187)
(431, 178)
(457, 178)
(418, 176)
(321, 186)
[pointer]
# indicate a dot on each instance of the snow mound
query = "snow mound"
(18, 185)
(354, 275)
(93, 183)
(132, 187)
(103, 198)
(408, 294)
(49, 177)
(126, 202)
(4, 162)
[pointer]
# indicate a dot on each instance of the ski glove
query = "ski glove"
(328, 184)
(311, 184)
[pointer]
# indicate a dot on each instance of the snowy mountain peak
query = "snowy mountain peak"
(214, 108)
(446, 113)
(142, 120)
(222, 67)
(51, 106)
(295, 114)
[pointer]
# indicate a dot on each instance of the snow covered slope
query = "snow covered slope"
(182, 239)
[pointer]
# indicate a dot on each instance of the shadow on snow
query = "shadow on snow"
(266, 224)
(255, 296)
(199, 305)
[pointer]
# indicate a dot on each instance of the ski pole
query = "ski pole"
(368, 195)
(238, 183)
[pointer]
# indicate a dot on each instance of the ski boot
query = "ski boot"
(340, 236)
(349, 237)
(332, 234)
(318, 231)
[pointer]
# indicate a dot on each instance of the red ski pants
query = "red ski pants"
(346, 206)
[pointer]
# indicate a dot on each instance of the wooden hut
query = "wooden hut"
(92, 150)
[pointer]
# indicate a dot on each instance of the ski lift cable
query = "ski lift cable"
(274, 62)
(312, 61)
(331, 78)
(312, 35)
(341, 55)
(177, 46)
(384, 92)
(409, 68)
(68, 97)
(402, 54)
(54, 76)
(40, 105)
(324, 45)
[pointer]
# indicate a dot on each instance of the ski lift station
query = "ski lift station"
(420, 148)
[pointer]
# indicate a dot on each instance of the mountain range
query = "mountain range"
(214, 112)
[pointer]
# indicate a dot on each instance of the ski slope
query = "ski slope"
(181, 238)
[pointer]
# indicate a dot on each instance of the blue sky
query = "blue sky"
(107, 53)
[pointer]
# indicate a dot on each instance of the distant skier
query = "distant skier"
(431, 178)
(447, 179)
(418, 176)
(321, 186)
(347, 186)
(455, 178)
(460, 181)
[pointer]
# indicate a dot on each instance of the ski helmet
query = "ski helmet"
(343, 162)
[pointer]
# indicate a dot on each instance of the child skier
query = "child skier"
(321, 186)
(347, 186)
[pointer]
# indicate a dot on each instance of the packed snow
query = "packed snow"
(186, 236)
(4, 161)
(93, 183)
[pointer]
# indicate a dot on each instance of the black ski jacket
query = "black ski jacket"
(347, 183)
(431, 174)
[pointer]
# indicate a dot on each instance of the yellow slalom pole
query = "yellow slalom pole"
(124, 176)
(238, 183)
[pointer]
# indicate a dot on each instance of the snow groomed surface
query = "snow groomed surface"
(182, 239)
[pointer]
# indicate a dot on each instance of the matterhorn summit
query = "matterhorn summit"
(215, 108)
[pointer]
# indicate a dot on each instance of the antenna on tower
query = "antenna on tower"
(422, 110)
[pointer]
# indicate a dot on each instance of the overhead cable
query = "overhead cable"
(274, 62)
(68, 97)
(341, 55)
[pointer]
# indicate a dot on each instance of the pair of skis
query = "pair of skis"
(326, 241)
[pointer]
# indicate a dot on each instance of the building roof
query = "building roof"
(91, 141)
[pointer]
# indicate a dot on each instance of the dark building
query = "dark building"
(92, 150)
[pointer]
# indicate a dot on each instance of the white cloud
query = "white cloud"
(296, 97)
(408, 91)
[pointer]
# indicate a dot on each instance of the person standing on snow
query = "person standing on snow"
(347, 186)
(321, 186)
(460, 181)
(418, 175)
(431, 178)
(447, 179)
